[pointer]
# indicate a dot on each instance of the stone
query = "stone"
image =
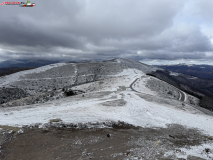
(109, 135)
(190, 157)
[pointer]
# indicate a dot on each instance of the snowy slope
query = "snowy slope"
(120, 94)
(60, 75)
(136, 111)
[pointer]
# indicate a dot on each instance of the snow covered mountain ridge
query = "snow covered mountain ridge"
(114, 90)
(59, 75)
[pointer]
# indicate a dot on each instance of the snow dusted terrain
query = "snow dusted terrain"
(121, 94)
(90, 108)
(17, 76)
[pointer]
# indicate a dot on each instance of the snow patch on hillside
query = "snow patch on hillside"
(118, 60)
(173, 74)
(128, 72)
(193, 78)
(195, 151)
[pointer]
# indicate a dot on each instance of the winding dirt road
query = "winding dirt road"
(181, 98)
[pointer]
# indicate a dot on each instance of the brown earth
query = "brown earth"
(118, 142)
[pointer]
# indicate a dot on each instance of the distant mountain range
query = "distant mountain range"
(34, 63)
(201, 71)
(26, 63)
(16, 65)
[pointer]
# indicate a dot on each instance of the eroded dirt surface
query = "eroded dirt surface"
(118, 142)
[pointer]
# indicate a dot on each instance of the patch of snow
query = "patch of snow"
(20, 131)
(193, 78)
(173, 74)
(118, 60)
(189, 65)
(198, 151)
(127, 72)
(108, 84)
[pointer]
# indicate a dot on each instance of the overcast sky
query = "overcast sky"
(151, 31)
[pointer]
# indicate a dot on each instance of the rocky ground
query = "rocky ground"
(118, 141)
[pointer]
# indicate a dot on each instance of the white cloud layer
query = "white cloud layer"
(98, 29)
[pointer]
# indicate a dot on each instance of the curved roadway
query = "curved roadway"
(182, 95)
(182, 98)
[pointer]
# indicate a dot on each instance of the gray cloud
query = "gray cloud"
(96, 29)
